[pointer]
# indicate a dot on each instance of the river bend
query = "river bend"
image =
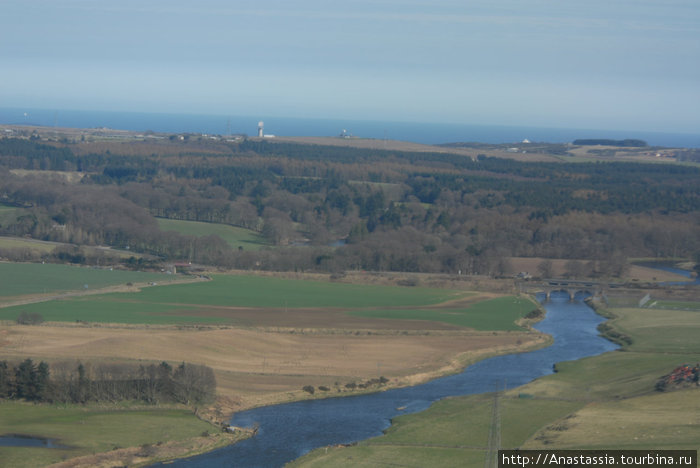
(290, 430)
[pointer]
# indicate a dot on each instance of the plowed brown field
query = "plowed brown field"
(261, 366)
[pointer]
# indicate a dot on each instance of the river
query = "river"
(288, 431)
(672, 268)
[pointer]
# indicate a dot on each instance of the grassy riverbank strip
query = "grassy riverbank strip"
(82, 431)
(602, 402)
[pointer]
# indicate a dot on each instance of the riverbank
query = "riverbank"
(124, 432)
(148, 454)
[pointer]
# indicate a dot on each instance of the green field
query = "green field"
(494, 314)
(185, 303)
(603, 402)
(20, 243)
(656, 330)
(34, 278)
(99, 310)
(8, 214)
(85, 430)
(257, 291)
(235, 236)
(45, 247)
(680, 305)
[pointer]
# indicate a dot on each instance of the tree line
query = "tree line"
(188, 384)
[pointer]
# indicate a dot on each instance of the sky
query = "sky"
(602, 64)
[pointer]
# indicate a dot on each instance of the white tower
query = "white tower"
(260, 129)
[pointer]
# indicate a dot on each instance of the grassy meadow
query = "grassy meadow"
(605, 402)
(33, 278)
(84, 430)
(235, 236)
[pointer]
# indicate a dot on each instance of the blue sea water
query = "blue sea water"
(428, 133)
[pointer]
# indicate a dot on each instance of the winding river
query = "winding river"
(290, 430)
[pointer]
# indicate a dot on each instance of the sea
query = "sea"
(426, 133)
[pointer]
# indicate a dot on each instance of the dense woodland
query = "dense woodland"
(391, 210)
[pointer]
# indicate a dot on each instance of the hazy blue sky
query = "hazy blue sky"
(617, 64)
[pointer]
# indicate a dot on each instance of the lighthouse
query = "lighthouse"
(260, 129)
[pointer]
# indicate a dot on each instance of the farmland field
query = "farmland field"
(251, 300)
(634, 273)
(235, 236)
(32, 278)
(31, 244)
(258, 366)
(656, 330)
(256, 291)
(267, 337)
(492, 314)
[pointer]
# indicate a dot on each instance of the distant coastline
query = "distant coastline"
(426, 133)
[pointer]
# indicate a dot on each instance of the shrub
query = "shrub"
(33, 318)
(533, 314)
(309, 388)
(147, 450)
(613, 335)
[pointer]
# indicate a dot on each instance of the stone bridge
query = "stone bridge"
(571, 287)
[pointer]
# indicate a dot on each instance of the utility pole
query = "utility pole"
(494, 440)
